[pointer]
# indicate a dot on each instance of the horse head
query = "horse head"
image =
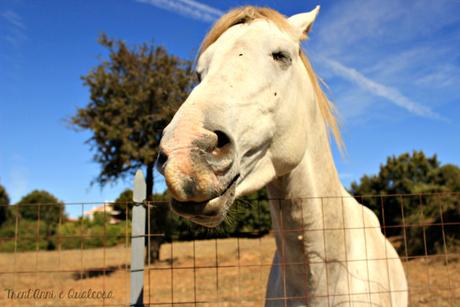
(243, 124)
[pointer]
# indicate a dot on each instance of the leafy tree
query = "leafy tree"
(42, 206)
(402, 175)
(450, 177)
(133, 95)
(414, 189)
(4, 202)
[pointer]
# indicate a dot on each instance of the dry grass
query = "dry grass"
(239, 280)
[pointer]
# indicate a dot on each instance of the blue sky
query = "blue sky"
(393, 68)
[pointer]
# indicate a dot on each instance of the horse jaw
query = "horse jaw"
(258, 177)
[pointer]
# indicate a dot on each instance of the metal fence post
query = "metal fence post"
(137, 241)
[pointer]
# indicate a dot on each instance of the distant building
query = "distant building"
(107, 208)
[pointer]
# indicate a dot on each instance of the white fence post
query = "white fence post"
(137, 241)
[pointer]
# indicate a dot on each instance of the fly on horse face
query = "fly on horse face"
(259, 118)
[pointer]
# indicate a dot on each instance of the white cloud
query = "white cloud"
(15, 28)
(187, 8)
(442, 76)
(202, 7)
(391, 94)
(13, 19)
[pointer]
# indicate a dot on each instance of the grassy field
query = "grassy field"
(64, 278)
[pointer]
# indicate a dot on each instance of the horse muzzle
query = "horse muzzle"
(208, 213)
(198, 166)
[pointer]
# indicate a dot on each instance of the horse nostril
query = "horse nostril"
(161, 160)
(222, 155)
(222, 139)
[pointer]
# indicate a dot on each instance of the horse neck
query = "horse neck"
(307, 199)
(310, 196)
(315, 177)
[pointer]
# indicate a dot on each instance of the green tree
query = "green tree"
(4, 202)
(133, 95)
(414, 189)
(42, 206)
(402, 175)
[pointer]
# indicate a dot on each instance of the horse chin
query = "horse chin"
(207, 213)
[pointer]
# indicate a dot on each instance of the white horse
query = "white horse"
(259, 118)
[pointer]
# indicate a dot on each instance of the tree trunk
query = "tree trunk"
(149, 180)
(156, 220)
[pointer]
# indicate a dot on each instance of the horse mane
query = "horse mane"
(247, 14)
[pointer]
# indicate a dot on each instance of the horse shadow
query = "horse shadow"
(109, 270)
(99, 271)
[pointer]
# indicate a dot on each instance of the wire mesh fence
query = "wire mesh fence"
(47, 258)
(85, 261)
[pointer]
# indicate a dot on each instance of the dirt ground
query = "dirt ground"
(225, 272)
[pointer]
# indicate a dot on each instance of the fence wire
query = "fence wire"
(85, 262)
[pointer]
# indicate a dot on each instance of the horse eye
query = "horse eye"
(198, 76)
(281, 56)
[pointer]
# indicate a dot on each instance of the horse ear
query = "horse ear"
(303, 22)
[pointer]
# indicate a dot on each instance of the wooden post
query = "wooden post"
(137, 241)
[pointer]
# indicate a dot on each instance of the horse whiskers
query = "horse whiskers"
(244, 201)
(231, 216)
